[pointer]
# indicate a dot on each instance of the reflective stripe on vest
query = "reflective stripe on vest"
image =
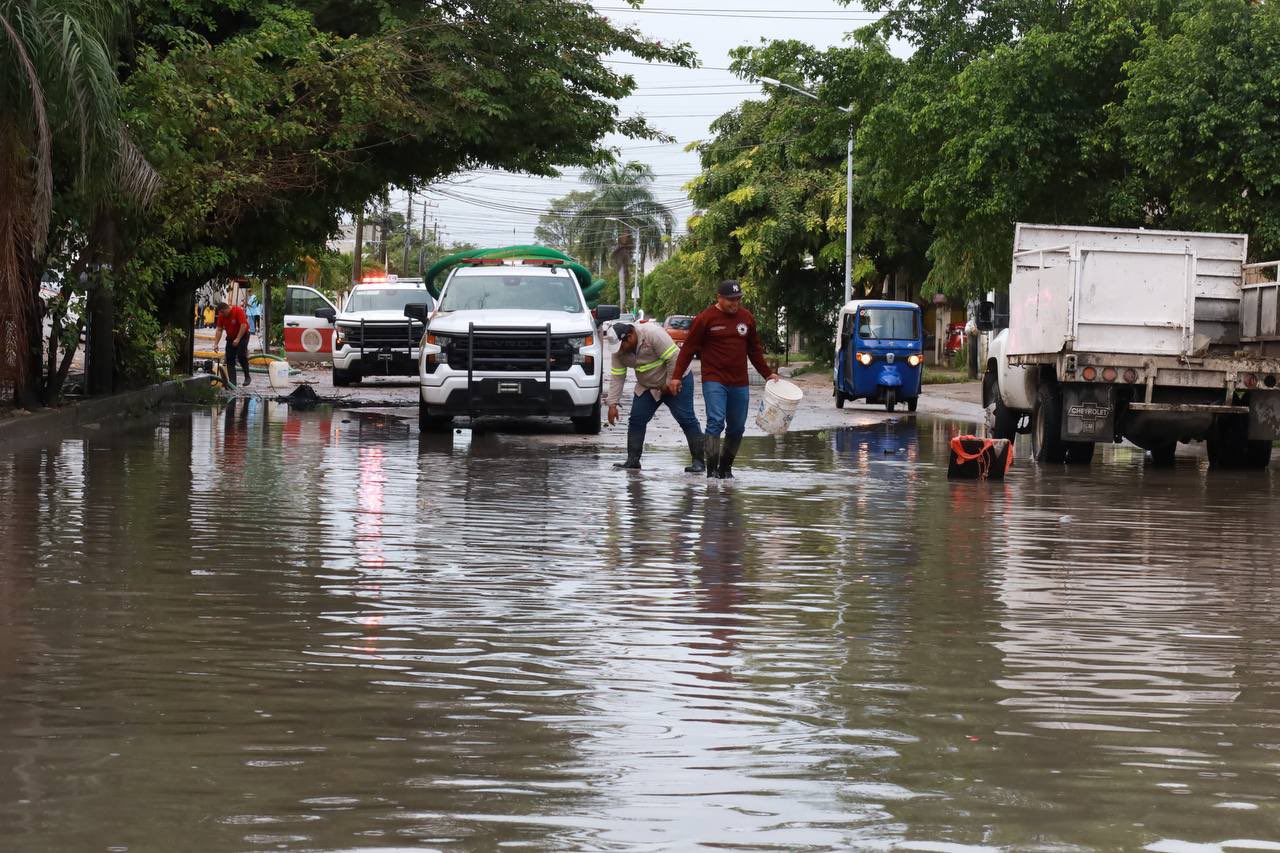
(666, 356)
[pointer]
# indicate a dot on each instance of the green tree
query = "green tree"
(1200, 116)
(269, 121)
(63, 151)
(621, 192)
(560, 227)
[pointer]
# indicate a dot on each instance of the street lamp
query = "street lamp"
(635, 256)
(848, 185)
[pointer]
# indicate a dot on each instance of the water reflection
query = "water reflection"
(323, 630)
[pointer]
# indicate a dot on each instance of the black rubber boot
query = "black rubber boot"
(635, 446)
(730, 453)
(696, 447)
(712, 451)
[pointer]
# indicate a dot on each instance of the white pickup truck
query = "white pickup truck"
(1154, 336)
(371, 335)
(511, 338)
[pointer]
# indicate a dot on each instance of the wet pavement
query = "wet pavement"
(250, 628)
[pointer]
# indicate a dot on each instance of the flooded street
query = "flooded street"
(250, 628)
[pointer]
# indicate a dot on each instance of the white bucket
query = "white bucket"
(778, 406)
(278, 375)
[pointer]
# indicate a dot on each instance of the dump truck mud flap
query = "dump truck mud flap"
(1088, 413)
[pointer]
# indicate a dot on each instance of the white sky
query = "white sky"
(501, 208)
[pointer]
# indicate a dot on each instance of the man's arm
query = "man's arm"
(692, 346)
(244, 327)
(755, 352)
(617, 377)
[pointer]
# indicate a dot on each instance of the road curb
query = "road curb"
(56, 423)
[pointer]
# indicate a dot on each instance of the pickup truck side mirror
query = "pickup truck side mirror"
(326, 314)
(605, 313)
(986, 319)
(417, 311)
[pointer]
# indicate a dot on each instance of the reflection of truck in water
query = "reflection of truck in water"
(1153, 336)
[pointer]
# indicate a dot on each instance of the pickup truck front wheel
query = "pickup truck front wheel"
(1047, 445)
(589, 425)
(343, 378)
(431, 423)
(1002, 422)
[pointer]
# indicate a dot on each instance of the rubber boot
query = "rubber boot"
(635, 446)
(696, 447)
(731, 446)
(712, 451)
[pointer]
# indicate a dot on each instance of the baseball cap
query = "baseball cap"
(730, 289)
(617, 334)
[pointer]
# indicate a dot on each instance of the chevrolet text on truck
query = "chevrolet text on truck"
(1154, 336)
(511, 338)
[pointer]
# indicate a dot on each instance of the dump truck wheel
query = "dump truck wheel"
(1047, 445)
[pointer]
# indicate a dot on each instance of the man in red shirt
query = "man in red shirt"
(725, 337)
(233, 321)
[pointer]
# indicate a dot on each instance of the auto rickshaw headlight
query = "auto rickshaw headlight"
(864, 358)
(914, 360)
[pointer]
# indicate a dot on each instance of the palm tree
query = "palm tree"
(60, 128)
(621, 203)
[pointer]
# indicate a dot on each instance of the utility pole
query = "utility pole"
(408, 234)
(358, 252)
(848, 185)
(422, 241)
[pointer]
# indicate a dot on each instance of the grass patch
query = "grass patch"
(945, 376)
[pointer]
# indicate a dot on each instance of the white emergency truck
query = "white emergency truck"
(371, 335)
(1159, 337)
(511, 338)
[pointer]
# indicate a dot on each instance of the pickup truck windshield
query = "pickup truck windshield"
(533, 293)
(894, 324)
(387, 299)
(679, 323)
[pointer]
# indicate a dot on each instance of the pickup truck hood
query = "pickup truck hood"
(372, 317)
(456, 322)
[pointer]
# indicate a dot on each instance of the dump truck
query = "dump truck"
(1157, 337)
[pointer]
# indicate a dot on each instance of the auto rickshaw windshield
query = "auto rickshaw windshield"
(895, 324)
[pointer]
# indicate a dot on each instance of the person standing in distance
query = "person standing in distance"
(648, 350)
(726, 338)
(232, 320)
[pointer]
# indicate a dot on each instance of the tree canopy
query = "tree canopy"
(1139, 113)
(267, 120)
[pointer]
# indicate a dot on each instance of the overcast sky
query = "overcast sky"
(497, 209)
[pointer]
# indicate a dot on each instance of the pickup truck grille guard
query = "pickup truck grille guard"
(474, 361)
(388, 335)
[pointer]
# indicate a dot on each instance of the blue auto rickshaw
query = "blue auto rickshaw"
(879, 353)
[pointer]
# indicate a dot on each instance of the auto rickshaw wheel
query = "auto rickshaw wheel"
(840, 399)
(890, 400)
(912, 402)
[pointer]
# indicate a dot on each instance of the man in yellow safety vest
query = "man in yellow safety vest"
(649, 351)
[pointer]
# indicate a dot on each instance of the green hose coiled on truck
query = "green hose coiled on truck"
(591, 290)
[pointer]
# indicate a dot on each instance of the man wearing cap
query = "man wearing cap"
(726, 338)
(649, 350)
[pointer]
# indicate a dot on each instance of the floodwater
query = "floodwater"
(256, 629)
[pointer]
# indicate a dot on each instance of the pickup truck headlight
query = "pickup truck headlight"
(339, 337)
(583, 352)
(433, 348)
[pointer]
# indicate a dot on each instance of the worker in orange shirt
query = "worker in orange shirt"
(233, 321)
